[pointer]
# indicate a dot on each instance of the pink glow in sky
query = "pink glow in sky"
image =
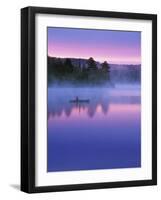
(119, 47)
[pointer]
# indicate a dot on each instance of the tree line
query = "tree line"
(88, 72)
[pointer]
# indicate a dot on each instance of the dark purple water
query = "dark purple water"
(102, 134)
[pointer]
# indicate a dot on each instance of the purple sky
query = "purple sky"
(119, 47)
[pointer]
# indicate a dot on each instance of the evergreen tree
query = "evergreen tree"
(91, 64)
(105, 70)
(105, 66)
(68, 65)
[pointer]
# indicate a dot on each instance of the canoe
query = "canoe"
(79, 101)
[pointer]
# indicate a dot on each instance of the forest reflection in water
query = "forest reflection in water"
(99, 100)
(102, 133)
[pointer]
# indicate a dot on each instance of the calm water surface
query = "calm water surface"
(102, 134)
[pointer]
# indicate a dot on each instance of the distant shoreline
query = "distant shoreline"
(88, 71)
(85, 59)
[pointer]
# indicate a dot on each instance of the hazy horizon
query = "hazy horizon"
(95, 60)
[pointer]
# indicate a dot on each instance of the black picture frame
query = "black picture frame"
(28, 98)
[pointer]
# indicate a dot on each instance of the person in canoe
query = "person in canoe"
(77, 100)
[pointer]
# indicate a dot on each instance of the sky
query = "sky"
(115, 47)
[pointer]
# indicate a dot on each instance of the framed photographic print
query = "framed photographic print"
(88, 99)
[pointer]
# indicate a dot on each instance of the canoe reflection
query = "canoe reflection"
(59, 103)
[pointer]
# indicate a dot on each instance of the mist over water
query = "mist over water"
(103, 133)
(59, 98)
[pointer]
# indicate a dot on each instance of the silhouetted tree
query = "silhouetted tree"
(68, 65)
(105, 70)
(91, 64)
(105, 66)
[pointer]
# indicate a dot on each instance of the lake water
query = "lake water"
(102, 134)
